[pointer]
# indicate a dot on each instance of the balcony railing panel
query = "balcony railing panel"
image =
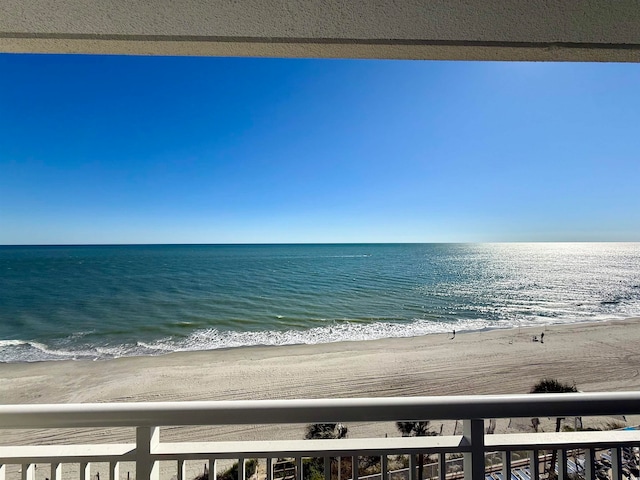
(148, 451)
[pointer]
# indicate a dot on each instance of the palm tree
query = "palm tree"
(547, 385)
(417, 429)
(316, 431)
(551, 385)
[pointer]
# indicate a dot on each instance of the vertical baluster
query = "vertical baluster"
(28, 471)
(327, 468)
(213, 469)
(181, 469)
(114, 471)
(589, 470)
(3, 471)
(85, 471)
(616, 463)
(442, 466)
(384, 467)
(355, 467)
(563, 473)
(298, 468)
(534, 464)
(242, 470)
(269, 468)
(506, 465)
(56, 471)
(412, 467)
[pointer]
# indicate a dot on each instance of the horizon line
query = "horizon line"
(302, 243)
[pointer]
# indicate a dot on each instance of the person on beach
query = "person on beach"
(542, 337)
(454, 334)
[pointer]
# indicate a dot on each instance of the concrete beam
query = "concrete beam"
(559, 30)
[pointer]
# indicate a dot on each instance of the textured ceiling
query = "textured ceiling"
(437, 29)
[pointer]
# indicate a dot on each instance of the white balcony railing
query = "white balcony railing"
(473, 443)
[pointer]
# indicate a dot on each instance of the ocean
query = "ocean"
(97, 302)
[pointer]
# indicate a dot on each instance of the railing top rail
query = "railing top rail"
(316, 411)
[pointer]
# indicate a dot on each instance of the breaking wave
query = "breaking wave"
(12, 351)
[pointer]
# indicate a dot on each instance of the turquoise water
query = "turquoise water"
(88, 302)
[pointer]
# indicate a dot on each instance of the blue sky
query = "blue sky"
(215, 150)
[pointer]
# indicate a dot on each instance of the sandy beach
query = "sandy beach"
(600, 356)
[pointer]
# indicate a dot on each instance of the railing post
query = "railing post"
(506, 464)
(355, 467)
(3, 471)
(147, 438)
(473, 461)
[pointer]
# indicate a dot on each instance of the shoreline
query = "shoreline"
(459, 331)
(562, 342)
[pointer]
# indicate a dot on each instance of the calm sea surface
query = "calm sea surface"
(88, 302)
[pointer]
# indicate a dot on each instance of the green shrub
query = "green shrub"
(313, 469)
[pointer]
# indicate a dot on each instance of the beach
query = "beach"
(601, 356)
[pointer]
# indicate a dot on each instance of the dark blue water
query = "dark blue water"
(108, 301)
